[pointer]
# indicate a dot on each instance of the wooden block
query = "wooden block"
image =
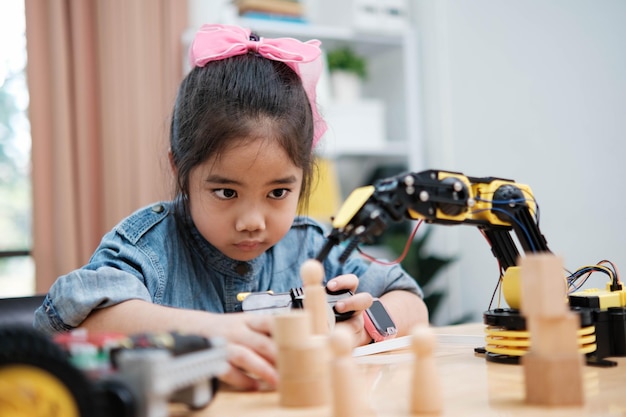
(554, 335)
(544, 290)
(304, 392)
(303, 371)
(315, 301)
(302, 362)
(553, 366)
(426, 395)
(554, 380)
(292, 329)
(310, 358)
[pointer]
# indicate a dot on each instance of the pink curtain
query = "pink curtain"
(102, 77)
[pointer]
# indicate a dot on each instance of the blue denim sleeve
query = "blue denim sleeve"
(75, 295)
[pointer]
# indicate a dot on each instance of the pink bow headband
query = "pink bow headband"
(215, 42)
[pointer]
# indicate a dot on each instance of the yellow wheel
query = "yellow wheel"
(27, 391)
(36, 378)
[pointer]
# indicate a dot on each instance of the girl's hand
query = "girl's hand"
(357, 303)
(251, 350)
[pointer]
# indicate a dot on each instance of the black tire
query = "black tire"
(21, 345)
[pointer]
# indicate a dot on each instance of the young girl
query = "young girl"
(242, 135)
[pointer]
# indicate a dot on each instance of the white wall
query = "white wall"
(533, 91)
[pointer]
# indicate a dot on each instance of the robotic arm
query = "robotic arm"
(494, 205)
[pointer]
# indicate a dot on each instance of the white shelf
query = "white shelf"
(305, 31)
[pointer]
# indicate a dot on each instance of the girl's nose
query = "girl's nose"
(250, 220)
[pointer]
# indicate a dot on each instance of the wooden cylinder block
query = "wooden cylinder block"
(292, 329)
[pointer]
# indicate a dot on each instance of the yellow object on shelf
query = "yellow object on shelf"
(325, 194)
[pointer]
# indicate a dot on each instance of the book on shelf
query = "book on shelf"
(271, 7)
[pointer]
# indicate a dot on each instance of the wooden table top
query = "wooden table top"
(471, 386)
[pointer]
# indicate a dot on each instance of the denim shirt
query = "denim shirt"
(146, 257)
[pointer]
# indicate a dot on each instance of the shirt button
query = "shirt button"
(242, 268)
(158, 208)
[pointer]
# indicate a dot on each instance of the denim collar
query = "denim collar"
(222, 264)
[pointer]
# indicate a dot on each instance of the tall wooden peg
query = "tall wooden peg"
(315, 301)
(553, 366)
(426, 395)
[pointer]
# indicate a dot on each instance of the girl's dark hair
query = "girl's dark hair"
(230, 99)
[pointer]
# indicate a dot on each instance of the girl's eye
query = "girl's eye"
(279, 193)
(225, 193)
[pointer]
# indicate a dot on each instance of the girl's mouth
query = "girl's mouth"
(248, 245)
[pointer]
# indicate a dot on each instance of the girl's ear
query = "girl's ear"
(173, 167)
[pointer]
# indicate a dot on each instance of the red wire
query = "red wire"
(407, 246)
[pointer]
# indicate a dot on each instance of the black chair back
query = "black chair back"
(19, 310)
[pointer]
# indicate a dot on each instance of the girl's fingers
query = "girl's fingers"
(253, 332)
(260, 323)
(237, 379)
(247, 368)
(343, 282)
(358, 302)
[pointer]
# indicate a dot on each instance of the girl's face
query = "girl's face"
(245, 201)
